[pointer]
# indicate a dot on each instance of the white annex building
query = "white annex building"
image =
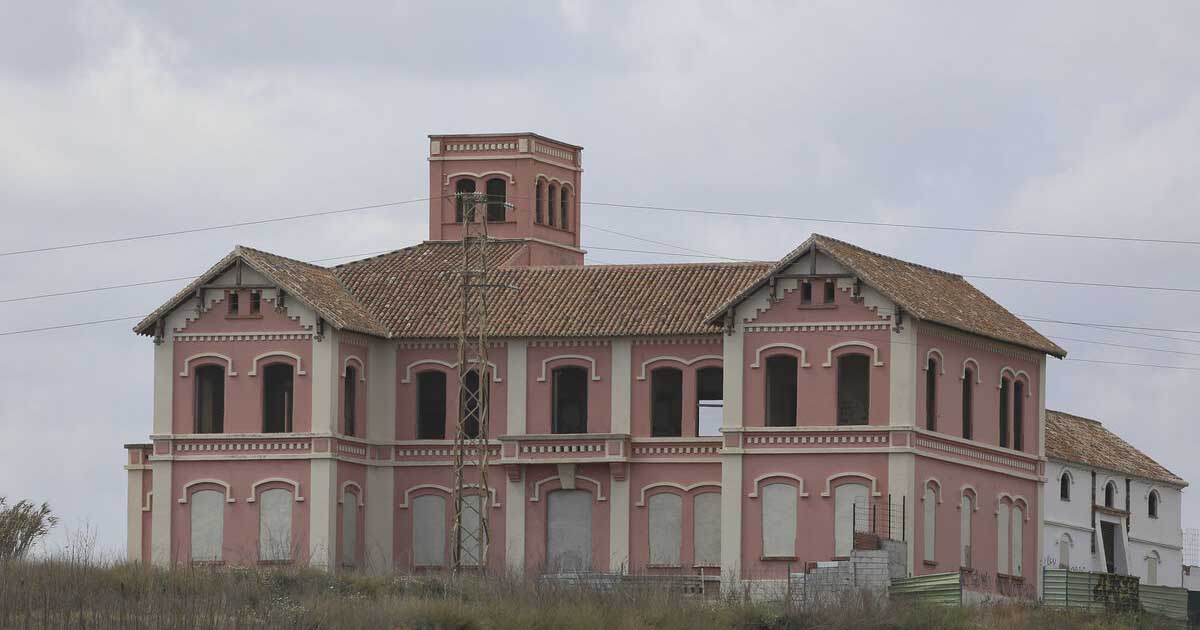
(1109, 507)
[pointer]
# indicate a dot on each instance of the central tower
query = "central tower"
(540, 177)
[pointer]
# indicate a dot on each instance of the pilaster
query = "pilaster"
(514, 523)
(160, 515)
(164, 382)
(325, 380)
(517, 374)
(731, 521)
(381, 391)
(622, 374)
(322, 512)
(618, 524)
(380, 515)
(133, 514)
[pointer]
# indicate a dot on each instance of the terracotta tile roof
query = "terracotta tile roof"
(1075, 439)
(924, 292)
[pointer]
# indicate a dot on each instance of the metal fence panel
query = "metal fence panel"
(938, 588)
(1167, 601)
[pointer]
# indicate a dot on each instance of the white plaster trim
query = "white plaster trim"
(978, 378)
(800, 493)
(642, 373)
(538, 486)
(941, 361)
(551, 180)
(228, 490)
(667, 484)
(342, 492)
(433, 486)
(1076, 527)
(276, 353)
(295, 486)
(1161, 545)
(450, 366)
(829, 481)
(1013, 499)
(205, 355)
(848, 344)
(362, 367)
(937, 489)
(791, 346)
(1016, 374)
(451, 176)
(962, 492)
(542, 376)
(149, 504)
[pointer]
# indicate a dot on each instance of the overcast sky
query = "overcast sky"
(119, 119)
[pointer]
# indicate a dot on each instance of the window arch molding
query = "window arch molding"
(599, 494)
(362, 367)
(209, 355)
(851, 475)
(975, 370)
(941, 361)
(569, 357)
(408, 369)
(782, 348)
(933, 482)
(679, 360)
(875, 362)
(200, 482)
(451, 178)
(800, 492)
(681, 488)
(1014, 376)
(970, 492)
(407, 501)
(276, 353)
(1153, 503)
(291, 482)
(358, 492)
(1014, 500)
(1116, 493)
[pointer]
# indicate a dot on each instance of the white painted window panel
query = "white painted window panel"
(472, 548)
(778, 520)
(964, 532)
(207, 509)
(349, 528)
(848, 499)
(706, 529)
(429, 531)
(666, 528)
(930, 524)
(569, 531)
(1018, 540)
(1002, 539)
(275, 525)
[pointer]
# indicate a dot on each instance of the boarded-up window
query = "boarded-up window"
(275, 525)
(569, 531)
(350, 400)
(853, 389)
(431, 405)
(850, 514)
(570, 400)
(1019, 415)
(210, 399)
(778, 520)
(666, 529)
(1005, 394)
(471, 534)
(496, 196)
(1018, 540)
(1002, 538)
(781, 391)
(710, 413)
(666, 402)
(1152, 569)
(1064, 552)
(968, 404)
(277, 398)
(349, 529)
(462, 187)
(706, 529)
(207, 509)
(429, 531)
(930, 524)
(966, 508)
(931, 394)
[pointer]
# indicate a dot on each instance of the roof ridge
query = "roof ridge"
(255, 250)
(680, 265)
(376, 256)
(1075, 416)
(887, 257)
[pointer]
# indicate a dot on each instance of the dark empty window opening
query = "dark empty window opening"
(551, 209)
(853, 389)
(830, 293)
(210, 399)
(565, 207)
(277, 398)
(931, 369)
(710, 412)
(1152, 504)
(472, 402)
(539, 204)
(350, 400)
(1005, 388)
(968, 392)
(781, 391)
(666, 402)
(255, 302)
(461, 188)
(570, 397)
(233, 303)
(431, 405)
(496, 197)
(1110, 495)
(1064, 487)
(805, 292)
(1019, 415)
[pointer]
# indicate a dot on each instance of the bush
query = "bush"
(21, 526)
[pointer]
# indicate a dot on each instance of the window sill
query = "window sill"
(274, 563)
(258, 316)
(706, 566)
(778, 558)
(554, 227)
(664, 566)
(816, 307)
(929, 563)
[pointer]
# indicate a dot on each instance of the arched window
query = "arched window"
(1018, 415)
(850, 516)
(462, 187)
(470, 402)
(1064, 486)
(207, 519)
(471, 536)
(568, 531)
(496, 197)
(778, 520)
(275, 525)
(1005, 389)
(853, 389)
(1152, 568)
(781, 391)
(966, 508)
(210, 399)
(350, 400)
(552, 203)
(431, 405)
(710, 400)
(666, 529)
(666, 402)
(277, 398)
(539, 204)
(706, 529)
(1002, 538)
(930, 524)
(1152, 504)
(429, 530)
(565, 207)
(1110, 495)
(968, 403)
(1064, 551)
(931, 368)
(570, 400)
(1018, 538)
(349, 528)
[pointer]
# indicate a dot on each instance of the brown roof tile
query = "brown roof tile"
(1075, 439)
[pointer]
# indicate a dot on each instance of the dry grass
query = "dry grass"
(78, 594)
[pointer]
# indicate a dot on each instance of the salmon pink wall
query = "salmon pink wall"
(642, 476)
(243, 393)
(649, 357)
(536, 515)
(538, 419)
(218, 320)
(410, 362)
(147, 515)
(345, 352)
(440, 476)
(844, 308)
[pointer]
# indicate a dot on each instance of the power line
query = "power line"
(913, 226)
(1118, 345)
(1141, 287)
(1116, 326)
(74, 325)
(645, 251)
(648, 240)
(1149, 365)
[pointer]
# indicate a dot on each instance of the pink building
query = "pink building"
(731, 419)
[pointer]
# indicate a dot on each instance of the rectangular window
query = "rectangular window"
(853, 389)
(931, 369)
(277, 398)
(255, 302)
(805, 292)
(1004, 395)
(210, 399)
(350, 399)
(781, 391)
(1019, 415)
(666, 529)
(710, 413)
(431, 405)
(829, 291)
(778, 520)
(233, 304)
(570, 400)
(706, 529)
(666, 402)
(968, 383)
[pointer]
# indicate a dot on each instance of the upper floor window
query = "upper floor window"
(255, 302)
(472, 401)
(968, 403)
(931, 371)
(781, 391)
(710, 384)
(277, 398)
(805, 292)
(1152, 504)
(1064, 487)
(1019, 415)
(551, 208)
(233, 303)
(853, 389)
(565, 207)
(210, 399)
(461, 188)
(1005, 388)
(350, 399)
(666, 402)
(496, 197)
(539, 202)
(830, 292)
(570, 395)
(1110, 494)
(431, 405)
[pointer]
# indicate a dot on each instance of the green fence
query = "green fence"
(938, 588)
(1167, 601)
(1103, 592)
